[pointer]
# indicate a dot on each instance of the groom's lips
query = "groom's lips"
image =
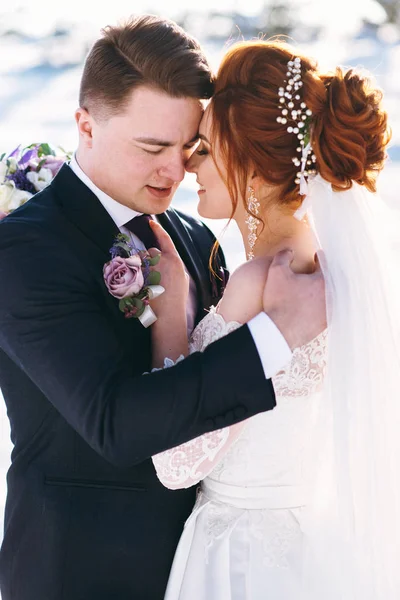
(159, 192)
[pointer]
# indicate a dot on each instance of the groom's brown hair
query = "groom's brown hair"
(146, 50)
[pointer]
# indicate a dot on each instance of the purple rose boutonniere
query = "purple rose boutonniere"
(129, 278)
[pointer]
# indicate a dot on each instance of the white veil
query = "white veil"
(352, 523)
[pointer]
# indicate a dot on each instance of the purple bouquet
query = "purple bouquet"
(26, 171)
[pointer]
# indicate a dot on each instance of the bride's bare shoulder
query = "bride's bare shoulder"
(242, 299)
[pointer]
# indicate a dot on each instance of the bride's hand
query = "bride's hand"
(173, 276)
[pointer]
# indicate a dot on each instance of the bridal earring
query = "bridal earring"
(253, 206)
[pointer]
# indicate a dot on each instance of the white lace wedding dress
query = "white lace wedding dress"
(243, 540)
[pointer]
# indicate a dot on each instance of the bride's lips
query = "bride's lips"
(159, 192)
(201, 190)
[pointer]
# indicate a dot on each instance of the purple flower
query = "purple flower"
(15, 152)
(54, 163)
(123, 276)
(21, 181)
(30, 155)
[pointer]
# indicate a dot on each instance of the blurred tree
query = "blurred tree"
(392, 9)
(277, 17)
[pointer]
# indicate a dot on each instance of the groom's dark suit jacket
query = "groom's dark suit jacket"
(86, 517)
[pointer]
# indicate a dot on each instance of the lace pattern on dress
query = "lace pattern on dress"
(276, 531)
(210, 329)
(192, 461)
(168, 362)
(180, 467)
(305, 373)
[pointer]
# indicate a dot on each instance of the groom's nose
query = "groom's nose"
(174, 169)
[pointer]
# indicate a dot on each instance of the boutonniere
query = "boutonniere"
(129, 278)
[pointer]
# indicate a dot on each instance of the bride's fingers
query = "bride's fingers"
(165, 242)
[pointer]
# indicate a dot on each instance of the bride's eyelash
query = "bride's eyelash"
(201, 152)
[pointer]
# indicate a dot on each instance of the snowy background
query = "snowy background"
(43, 49)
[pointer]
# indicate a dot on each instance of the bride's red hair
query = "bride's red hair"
(349, 126)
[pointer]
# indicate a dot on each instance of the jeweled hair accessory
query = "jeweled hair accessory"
(298, 115)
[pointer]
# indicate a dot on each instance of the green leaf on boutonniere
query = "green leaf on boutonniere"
(122, 241)
(155, 260)
(140, 306)
(132, 305)
(123, 246)
(137, 302)
(153, 278)
(124, 303)
(121, 237)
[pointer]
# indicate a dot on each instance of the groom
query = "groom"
(86, 517)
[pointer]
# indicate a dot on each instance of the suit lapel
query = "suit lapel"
(86, 213)
(84, 209)
(187, 250)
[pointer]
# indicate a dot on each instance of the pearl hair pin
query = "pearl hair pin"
(295, 112)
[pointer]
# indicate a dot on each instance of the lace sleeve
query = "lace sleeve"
(168, 362)
(189, 463)
(305, 373)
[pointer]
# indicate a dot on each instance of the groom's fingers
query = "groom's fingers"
(283, 258)
(153, 251)
(165, 242)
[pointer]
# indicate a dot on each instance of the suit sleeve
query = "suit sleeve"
(53, 326)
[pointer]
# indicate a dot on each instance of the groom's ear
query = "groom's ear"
(85, 126)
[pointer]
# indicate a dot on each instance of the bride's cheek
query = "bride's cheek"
(205, 207)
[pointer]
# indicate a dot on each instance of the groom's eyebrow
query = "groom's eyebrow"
(156, 142)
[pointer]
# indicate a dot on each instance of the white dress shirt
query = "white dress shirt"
(271, 345)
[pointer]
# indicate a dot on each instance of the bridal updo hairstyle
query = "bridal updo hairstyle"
(146, 50)
(349, 131)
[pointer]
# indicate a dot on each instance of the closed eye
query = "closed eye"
(153, 151)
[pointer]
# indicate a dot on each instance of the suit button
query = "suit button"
(240, 412)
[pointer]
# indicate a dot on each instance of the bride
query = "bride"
(301, 502)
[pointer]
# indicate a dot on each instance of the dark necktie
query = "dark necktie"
(141, 228)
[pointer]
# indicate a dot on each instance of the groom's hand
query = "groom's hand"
(173, 276)
(295, 302)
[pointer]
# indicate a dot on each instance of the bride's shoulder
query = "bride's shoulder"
(242, 299)
(253, 272)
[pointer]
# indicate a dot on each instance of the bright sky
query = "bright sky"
(335, 14)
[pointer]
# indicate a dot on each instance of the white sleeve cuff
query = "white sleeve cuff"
(271, 345)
